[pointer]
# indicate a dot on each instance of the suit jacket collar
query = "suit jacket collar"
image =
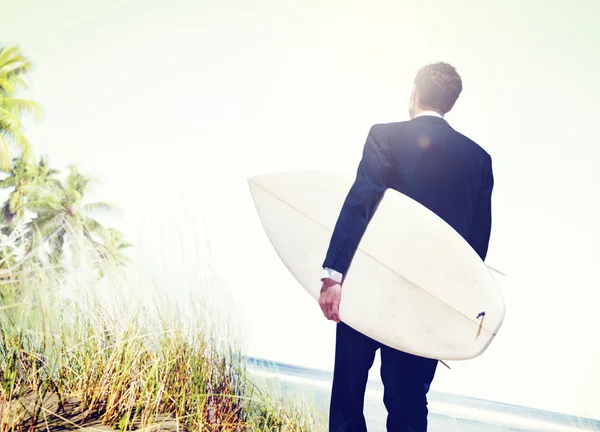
(430, 118)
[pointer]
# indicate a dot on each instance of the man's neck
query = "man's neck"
(428, 113)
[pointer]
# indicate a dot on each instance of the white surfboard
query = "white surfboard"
(415, 284)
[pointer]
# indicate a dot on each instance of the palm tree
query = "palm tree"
(45, 174)
(61, 214)
(13, 228)
(12, 212)
(20, 176)
(13, 67)
(60, 219)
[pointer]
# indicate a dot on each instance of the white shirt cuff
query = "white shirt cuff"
(328, 273)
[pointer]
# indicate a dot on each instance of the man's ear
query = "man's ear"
(412, 102)
(414, 96)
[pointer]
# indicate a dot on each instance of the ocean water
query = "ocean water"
(447, 412)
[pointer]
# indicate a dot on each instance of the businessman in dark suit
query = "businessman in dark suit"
(427, 160)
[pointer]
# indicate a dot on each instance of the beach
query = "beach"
(447, 412)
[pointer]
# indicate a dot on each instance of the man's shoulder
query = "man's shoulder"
(388, 129)
(484, 154)
(387, 126)
(408, 126)
(399, 128)
(471, 142)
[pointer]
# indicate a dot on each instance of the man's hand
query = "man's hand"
(329, 300)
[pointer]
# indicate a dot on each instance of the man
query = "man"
(427, 160)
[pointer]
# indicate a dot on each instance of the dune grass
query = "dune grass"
(78, 353)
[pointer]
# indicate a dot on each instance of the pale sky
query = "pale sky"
(173, 104)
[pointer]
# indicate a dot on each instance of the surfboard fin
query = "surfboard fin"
(444, 363)
(495, 270)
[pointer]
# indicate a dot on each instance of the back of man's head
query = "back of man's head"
(438, 87)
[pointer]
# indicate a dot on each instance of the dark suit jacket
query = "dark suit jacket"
(427, 160)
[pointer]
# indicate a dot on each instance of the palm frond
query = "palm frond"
(7, 86)
(72, 196)
(12, 62)
(8, 182)
(99, 206)
(23, 143)
(77, 181)
(15, 202)
(42, 228)
(17, 71)
(6, 52)
(124, 245)
(34, 248)
(72, 176)
(95, 227)
(10, 127)
(10, 83)
(8, 55)
(41, 223)
(19, 107)
(37, 192)
(53, 183)
(18, 81)
(9, 122)
(113, 245)
(115, 240)
(4, 155)
(42, 206)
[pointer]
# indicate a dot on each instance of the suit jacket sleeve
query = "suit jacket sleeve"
(362, 200)
(481, 227)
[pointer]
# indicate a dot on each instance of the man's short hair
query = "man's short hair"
(438, 86)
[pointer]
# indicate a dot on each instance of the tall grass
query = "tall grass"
(78, 352)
